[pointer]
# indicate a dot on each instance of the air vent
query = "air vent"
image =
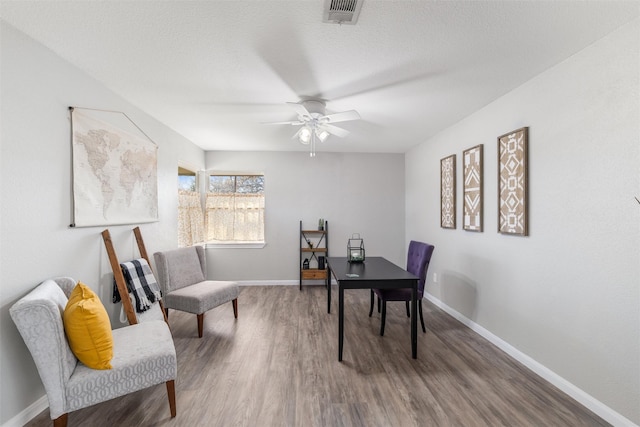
(341, 11)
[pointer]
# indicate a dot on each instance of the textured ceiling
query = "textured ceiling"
(215, 70)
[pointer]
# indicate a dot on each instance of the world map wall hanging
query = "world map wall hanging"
(115, 170)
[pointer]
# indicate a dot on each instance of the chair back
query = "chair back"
(180, 267)
(418, 258)
(38, 317)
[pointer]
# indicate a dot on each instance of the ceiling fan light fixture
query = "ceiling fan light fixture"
(304, 135)
(322, 134)
(315, 124)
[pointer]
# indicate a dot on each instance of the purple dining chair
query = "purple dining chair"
(418, 259)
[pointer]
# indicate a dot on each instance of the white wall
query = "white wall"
(37, 87)
(356, 193)
(568, 295)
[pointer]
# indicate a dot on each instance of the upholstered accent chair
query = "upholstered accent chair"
(418, 258)
(143, 355)
(182, 276)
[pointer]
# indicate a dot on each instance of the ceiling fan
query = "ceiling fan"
(316, 124)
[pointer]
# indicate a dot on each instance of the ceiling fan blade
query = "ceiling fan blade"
(340, 117)
(292, 123)
(406, 74)
(284, 52)
(335, 130)
(299, 109)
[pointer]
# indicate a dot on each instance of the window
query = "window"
(187, 180)
(234, 209)
(190, 216)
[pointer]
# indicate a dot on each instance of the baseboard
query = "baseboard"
(585, 399)
(266, 282)
(279, 283)
(28, 414)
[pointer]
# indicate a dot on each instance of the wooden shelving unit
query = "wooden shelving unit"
(314, 244)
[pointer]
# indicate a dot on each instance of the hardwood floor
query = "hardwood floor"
(277, 365)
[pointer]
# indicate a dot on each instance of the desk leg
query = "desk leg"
(340, 320)
(328, 290)
(414, 322)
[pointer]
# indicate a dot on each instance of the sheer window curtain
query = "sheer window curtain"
(235, 217)
(190, 218)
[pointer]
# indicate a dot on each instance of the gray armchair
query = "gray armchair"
(182, 276)
(143, 354)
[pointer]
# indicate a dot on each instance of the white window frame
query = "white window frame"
(198, 189)
(231, 245)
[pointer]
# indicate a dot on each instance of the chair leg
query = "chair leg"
(235, 307)
(378, 304)
(383, 317)
(408, 312)
(371, 307)
(200, 324)
(421, 319)
(61, 421)
(171, 393)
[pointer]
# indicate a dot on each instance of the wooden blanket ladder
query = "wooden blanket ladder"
(119, 277)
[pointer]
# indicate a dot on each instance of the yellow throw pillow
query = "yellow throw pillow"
(88, 329)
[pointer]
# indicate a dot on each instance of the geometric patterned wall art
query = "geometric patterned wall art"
(512, 183)
(472, 188)
(448, 192)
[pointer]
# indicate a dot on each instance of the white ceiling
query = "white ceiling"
(215, 70)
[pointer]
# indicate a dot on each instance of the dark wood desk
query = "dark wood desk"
(374, 272)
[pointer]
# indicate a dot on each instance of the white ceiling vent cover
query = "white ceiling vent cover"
(341, 11)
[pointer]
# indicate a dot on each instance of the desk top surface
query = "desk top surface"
(373, 268)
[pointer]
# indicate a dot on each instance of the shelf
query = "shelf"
(313, 273)
(312, 257)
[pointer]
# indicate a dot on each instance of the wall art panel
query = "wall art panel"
(473, 188)
(512, 183)
(448, 192)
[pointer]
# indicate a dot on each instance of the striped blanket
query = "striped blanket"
(141, 283)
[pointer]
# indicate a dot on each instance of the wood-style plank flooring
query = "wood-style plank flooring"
(277, 365)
